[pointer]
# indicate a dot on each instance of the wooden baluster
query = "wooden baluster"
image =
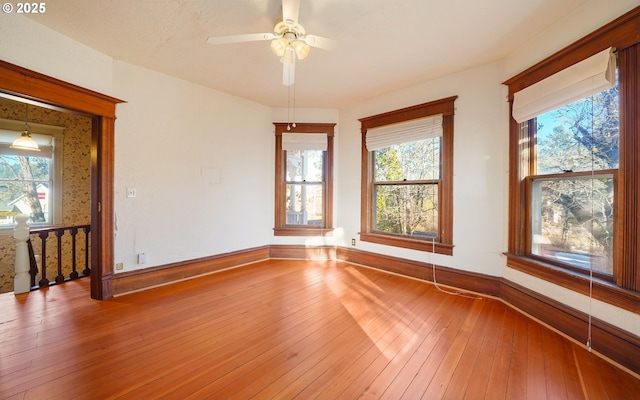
(59, 277)
(86, 229)
(33, 269)
(44, 282)
(74, 272)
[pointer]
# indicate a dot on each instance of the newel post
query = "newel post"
(22, 280)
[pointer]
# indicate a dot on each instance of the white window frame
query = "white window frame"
(56, 164)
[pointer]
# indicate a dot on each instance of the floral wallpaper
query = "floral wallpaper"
(76, 206)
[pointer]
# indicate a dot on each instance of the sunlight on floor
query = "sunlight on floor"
(386, 323)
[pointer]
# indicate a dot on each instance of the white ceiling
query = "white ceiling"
(383, 45)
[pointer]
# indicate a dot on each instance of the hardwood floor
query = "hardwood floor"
(290, 329)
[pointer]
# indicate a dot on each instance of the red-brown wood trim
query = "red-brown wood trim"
(366, 176)
(302, 252)
(479, 283)
(620, 33)
(614, 343)
(21, 82)
(445, 191)
(302, 231)
(442, 106)
(280, 226)
(305, 127)
(408, 243)
(159, 275)
(102, 225)
(626, 269)
(517, 210)
(603, 290)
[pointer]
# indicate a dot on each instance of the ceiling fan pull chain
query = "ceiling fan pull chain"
(288, 108)
(294, 104)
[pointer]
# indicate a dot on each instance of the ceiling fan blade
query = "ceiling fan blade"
(249, 37)
(320, 42)
(290, 11)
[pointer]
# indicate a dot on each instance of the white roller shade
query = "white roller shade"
(304, 141)
(576, 82)
(404, 132)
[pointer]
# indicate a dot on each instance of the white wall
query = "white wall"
(480, 159)
(584, 20)
(30, 45)
(201, 162)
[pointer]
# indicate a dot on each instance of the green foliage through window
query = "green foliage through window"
(572, 201)
(24, 188)
(405, 188)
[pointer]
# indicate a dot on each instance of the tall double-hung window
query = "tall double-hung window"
(571, 120)
(574, 165)
(304, 159)
(407, 177)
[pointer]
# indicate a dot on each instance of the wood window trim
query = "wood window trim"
(281, 228)
(444, 245)
(21, 83)
(622, 35)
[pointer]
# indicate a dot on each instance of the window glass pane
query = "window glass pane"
(304, 165)
(580, 136)
(572, 221)
(407, 209)
(304, 204)
(419, 160)
(24, 188)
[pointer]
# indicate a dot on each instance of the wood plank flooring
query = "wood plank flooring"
(284, 329)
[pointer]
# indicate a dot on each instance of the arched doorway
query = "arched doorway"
(18, 82)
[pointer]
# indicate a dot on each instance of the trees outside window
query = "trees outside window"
(304, 179)
(25, 188)
(573, 188)
(407, 177)
(405, 186)
(30, 180)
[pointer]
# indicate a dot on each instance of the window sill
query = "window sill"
(408, 243)
(302, 231)
(603, 290)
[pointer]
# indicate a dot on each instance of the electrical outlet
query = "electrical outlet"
(119, 266)
(353, 242)
(131, 192)
(142, 258)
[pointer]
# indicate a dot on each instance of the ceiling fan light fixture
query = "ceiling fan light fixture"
(278, 46)
(301, 48)
(288, 57)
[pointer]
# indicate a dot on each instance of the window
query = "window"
(407, 177)
(572, 189)
(29, 179)
(574, 168)
(304, 159)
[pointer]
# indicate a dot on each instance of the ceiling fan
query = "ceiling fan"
(288, 40)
